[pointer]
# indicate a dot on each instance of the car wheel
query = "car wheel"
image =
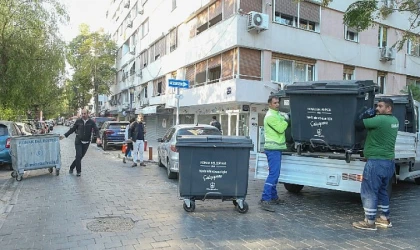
(171, 175)
(105, 145)
(160, 161)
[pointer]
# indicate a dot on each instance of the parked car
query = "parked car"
(112, 133)
(42, 127)
(167, 153)
(99, 122)
(7, 130)
(25, 128)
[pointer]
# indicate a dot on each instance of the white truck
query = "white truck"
(330, 170)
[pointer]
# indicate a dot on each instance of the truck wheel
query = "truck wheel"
(417, 181)
(293, 188)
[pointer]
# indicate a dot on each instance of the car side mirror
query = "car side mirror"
(160, 140)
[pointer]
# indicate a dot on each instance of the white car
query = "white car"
(26, 130)
(167, 153)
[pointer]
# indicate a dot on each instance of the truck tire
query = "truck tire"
(293, 188)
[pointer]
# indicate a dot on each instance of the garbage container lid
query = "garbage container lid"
(213, 141)
(340, 86)
(397, 99)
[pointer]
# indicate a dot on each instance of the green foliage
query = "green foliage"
(32, 58)
(414, 89)
(92, 56)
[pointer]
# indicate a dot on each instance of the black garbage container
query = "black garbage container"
(214, 167)
(284, 107)
(324, 113)
(404, 111)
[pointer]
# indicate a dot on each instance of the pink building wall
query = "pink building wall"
(329, 70)
(332, 23)
(395, 83)
(366, 74)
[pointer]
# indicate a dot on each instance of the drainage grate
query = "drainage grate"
(110, 224)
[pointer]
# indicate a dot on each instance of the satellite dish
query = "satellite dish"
(258, 19)
(124, 113)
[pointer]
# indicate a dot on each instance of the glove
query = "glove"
(285, 115)
(369, 113)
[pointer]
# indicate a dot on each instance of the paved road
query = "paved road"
(54, 212)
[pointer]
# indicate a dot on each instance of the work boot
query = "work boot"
(134, 165)
(364, 225)
(79, 174)
(277, 201)
(383, 223)
(143, 164)
(267, 206)
(124, 159)
(71, 170)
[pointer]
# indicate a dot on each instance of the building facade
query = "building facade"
(235, 53)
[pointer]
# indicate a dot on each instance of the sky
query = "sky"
(91, 12)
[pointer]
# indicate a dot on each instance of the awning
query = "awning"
(148, 110)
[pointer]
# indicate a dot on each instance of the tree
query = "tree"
(363, 15)
(32, 54)
(92, 56)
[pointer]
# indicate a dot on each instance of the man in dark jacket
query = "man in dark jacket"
(83, 128)
(216, 123)
(136, 134)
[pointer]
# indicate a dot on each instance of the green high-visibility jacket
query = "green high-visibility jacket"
(274, 127)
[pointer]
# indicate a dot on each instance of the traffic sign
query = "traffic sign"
(174, 83)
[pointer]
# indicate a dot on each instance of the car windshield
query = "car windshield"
(199, 131)
(117, 126)
(3, 130)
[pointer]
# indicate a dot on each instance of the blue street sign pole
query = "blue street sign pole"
(174, 83)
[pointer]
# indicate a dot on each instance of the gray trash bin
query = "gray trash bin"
(35, 152)
(214, 167)
(324, 113)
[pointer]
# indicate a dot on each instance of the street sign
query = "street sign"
(174, 83)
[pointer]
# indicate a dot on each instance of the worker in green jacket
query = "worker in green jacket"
(275, 126)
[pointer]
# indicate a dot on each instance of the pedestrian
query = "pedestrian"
(128, 141)
(83, 128)
(382, 129)
(275, 126)
(216, 123)
(137, 132)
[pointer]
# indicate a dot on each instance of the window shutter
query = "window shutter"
(309, 11)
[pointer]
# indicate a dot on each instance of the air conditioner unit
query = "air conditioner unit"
(130, 24)
(319, 2)
(387, 54)
(257, 21)
(280, 85)
(146, 101)
(140, 74)
(132, 50)
(140, 11)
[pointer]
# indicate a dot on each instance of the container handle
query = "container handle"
(218, 138)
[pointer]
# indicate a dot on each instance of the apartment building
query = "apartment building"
(235, 53)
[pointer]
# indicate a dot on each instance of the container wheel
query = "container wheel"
(57, 172)
(293, 188)
(244, 209)
(19, 177)
(50, 170)
(348, 157)
(299, 149)
(13, 174)
(191, 208)
(235, 203)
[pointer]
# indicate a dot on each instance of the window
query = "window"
(348, 72)
(351, 34)
(159, 88)
(382, 82)
(143, 59)
(145, 28)
(413, 81)
(289, 71)
(299, 14)
(214, 74)
(382, 36)
(413, 47)
(133, 69)
(100, 103)
(206, 19)
(173, 39)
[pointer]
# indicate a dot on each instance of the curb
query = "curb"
(120, 155)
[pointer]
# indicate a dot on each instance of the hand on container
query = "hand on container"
(98, 141)
(62, 137)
